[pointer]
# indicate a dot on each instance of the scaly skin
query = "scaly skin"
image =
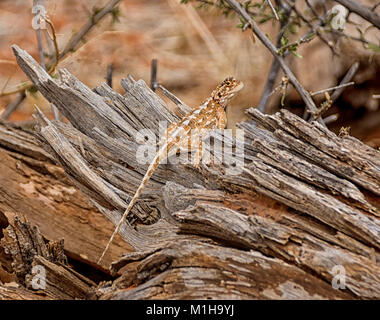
(209, 115)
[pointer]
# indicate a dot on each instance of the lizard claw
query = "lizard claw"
(196, 164)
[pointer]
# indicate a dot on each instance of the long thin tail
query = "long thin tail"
(148, 174)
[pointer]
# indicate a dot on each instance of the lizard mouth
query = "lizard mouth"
(238, 87)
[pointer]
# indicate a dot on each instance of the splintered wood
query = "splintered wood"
(304, 206)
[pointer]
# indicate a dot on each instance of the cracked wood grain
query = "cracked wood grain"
(27, 248)
(274, 238)
(196, 270)
(305, 201)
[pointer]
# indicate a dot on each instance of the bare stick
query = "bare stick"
(71, 45)
(331, 118)
(154, 84)
(375, 6)
(197, 23)
(275, 67)
(315, 28)
(273, 9)
(360, 39)
(183, 108)
(332, 88)
(49, 42)
(347, 78)
(171, 96)
(53, 38)
(312, 9)
(153, 75)
(362, 10)
(109, 74)
(273, 50)
(40, 47)
(340, 88)
(13, 106)
(39, 42)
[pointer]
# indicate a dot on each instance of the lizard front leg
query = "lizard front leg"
(219, 122)
(222, 118)
(199, 150)
(191, 144)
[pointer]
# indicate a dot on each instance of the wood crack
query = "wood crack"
(310, 213)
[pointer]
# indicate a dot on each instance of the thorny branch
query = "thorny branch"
(360, 39)
(273, 50)
(275, 67)
(39, 42)
(286, 8)
(56, 50)
(70, 46)
(50, 70)
(332, 88)
(346, 79)
(363, 11)
(273, 9)
(340, 88)
(323, 22)
(314, 28)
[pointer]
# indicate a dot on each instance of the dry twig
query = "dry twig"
(109, 75)
(153, 75)
(71, 44)
(273, 9)
(273, 50)
(332, 88)
(275, 67)
(363, 11)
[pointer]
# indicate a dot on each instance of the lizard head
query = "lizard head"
(226, 90)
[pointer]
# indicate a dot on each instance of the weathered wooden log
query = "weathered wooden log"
(32, 185)
(32, 256)
(304, 201)
(17, 292)
(199, 270)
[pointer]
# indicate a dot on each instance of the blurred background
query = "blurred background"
(196, 48)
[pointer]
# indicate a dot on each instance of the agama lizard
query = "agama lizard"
(209, 115)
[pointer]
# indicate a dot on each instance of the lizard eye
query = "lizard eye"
(228, 83)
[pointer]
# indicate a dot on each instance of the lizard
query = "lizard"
(209, 115)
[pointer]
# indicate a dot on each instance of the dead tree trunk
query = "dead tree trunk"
(34, 189)
(304, 208)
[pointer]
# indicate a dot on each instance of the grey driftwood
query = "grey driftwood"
(305, 203)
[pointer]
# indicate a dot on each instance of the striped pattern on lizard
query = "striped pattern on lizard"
(209, 115)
